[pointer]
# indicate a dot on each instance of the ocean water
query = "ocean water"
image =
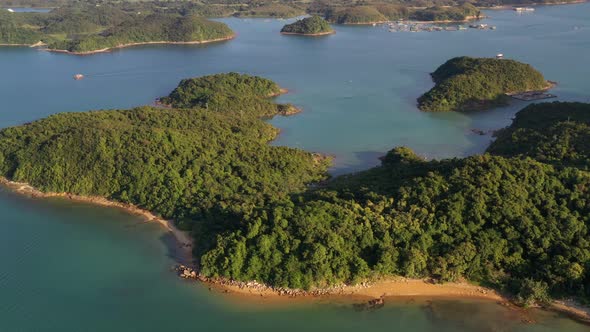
(74, 267)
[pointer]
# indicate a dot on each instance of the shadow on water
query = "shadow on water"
(174, 250)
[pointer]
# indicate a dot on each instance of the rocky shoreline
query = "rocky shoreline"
(399, 287)
(310, 34)
(109, 49)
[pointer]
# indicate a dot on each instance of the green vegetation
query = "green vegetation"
(464, 84)
(508, 221)
(460, 13)
(89, 28)
(385, 11)
(203, 168)
(231, 92)
(355, 15)
(515, 224)
(12, 33)
(273, 10)
(555, 133)
(313, 25)
(149, 28)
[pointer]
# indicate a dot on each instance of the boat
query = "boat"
(461, 27)
(10, 10)
(524, 9)
(499, 56)
(78, 77)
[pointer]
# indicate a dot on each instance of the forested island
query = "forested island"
(466, 84)
(309, 26)
(513, 219)
(83, 29)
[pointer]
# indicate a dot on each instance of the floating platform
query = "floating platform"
(533, 95)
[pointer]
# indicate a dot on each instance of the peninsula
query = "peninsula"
(466, 84)
(310, 26)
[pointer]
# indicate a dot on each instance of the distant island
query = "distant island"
(310, 26)
(465, 84)
(87, 30)
(381, 13)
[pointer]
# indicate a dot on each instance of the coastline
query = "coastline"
(389, 288)
(512, 6)
(109, 49)
(309, 34)
(183, 240)
(467, 19)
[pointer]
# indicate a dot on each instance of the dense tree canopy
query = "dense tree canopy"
(149, 28)
(464, 83)
(229, 92)
(556, 133)
(517, 221)
(84, 28)
(11, 31)
(313, 25)
(203, 168)
(355, 15)
(516, 224)
(459, 13)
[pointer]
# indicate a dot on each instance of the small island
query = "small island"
(310, 26)
(467, 84)
(229, 92)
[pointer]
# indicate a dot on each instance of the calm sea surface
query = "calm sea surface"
(74, 267)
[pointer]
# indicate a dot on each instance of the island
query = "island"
(89, 29)
(229, 92)
(466, 84)
(513, 220)
(310, 26)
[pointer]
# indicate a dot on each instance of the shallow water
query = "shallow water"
(71, 267)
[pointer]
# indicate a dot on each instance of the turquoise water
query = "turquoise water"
(72, 267)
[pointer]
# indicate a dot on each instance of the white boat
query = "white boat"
(524, 9)
(499, 56)
(10, 10)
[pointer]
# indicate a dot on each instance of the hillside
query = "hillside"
(464, 84)
(555, 133)
(312, 26)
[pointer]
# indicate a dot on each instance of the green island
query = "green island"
(230, 92)
(83, 29)
(465, 84)
(513, 219)
(309, 26)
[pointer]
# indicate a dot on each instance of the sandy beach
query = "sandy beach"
(252, 292)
